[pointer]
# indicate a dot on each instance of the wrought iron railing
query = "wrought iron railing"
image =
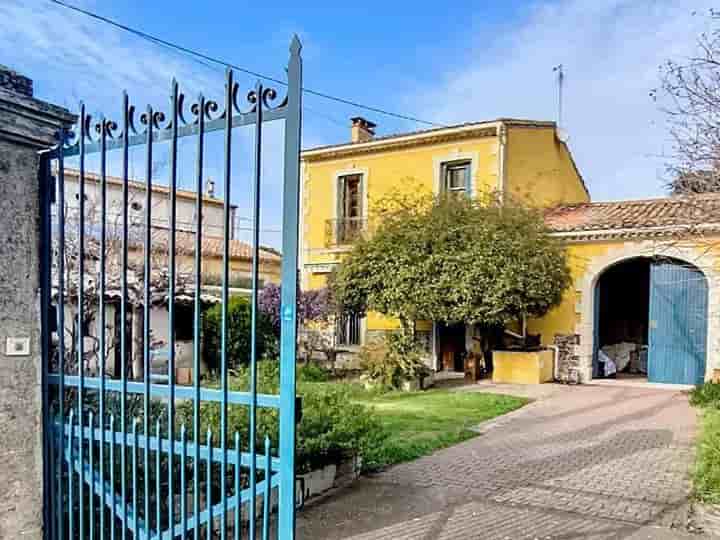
(344, 231)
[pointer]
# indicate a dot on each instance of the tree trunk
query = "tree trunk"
(137, 343)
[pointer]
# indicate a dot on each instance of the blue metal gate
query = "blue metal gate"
(119, 461)
(678, 323)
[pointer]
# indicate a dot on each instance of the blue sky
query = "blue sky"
(448, 63)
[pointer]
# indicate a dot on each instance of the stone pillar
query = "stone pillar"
(27, 126)
(570, 366)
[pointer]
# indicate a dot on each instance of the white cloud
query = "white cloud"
(71, 57)
(611, 51)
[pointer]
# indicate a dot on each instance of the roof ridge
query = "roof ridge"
(477, 123)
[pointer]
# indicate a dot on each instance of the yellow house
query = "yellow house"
(645, 273)
(519, 158)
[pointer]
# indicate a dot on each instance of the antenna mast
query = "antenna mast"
(560, 77)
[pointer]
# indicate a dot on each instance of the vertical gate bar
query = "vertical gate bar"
(183, 483)
(171, 298)
(123, 305)
(146, 314)
(50, 503)
(208, 483)
(158, 489)
(59, 508)
(45, 185)
(136, 512)
(80, 317)
(238, 507)
(91, 460)
(61, 318)
(229, 92)
(196, 331)
(113, 502)
(103, 241)
(257, 171)
(266, 498)
(291, 202)
(71, 474)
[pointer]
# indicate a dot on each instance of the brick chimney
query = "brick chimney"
(14, 82)
(362, 130)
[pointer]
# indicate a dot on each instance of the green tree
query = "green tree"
(454, 259)
(239, 318)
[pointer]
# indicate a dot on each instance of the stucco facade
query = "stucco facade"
(501, 157)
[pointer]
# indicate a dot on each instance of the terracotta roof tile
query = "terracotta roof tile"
(212, 246)
(638, 214)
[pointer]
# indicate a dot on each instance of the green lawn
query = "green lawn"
(418, 423)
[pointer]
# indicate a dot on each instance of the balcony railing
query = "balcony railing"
(344, 231)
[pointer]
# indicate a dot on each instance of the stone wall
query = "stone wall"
(26, 127)
(14, 82)
(570, 366)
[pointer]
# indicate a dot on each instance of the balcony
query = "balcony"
(344, 231)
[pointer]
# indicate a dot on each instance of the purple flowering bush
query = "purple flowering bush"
(312, 305)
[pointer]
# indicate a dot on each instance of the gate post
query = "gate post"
(27, 126)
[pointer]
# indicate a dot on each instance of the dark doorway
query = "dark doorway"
(451, 350)
(624, 309)
(622, 323)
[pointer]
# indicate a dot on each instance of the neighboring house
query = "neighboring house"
(240, 266)
(185, 203)
(341, 183)
(645, 273)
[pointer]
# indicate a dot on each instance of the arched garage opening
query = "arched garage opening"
(651, 321)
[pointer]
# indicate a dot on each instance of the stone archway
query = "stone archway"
(701, 258)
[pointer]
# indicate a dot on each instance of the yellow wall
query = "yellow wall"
(539, 169)
(536, 165)
(409, 170)
(564, 318)
(519, 367)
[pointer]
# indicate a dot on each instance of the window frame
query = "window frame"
(345, 320)
(447, 166)
(346, 229)
(342, 191)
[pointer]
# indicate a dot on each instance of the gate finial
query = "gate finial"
(295, 45)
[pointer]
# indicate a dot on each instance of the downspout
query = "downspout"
(502, 150)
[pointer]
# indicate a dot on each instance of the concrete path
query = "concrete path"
(582, 462)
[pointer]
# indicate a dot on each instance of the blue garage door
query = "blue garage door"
(678, 324)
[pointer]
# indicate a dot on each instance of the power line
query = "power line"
(215, 60)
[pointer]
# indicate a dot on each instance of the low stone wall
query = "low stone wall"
(569, 368)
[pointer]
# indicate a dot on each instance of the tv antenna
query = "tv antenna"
(560, 78)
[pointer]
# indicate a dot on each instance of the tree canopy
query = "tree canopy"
(454, 259)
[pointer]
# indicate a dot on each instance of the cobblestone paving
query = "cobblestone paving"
(587, 462)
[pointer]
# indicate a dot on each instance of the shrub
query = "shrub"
(332, 427)
(311, 372)
(239, 314)
(312, 305)
(706, 395)
(396, 359)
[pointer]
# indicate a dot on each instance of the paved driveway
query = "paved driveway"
(586, 462)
